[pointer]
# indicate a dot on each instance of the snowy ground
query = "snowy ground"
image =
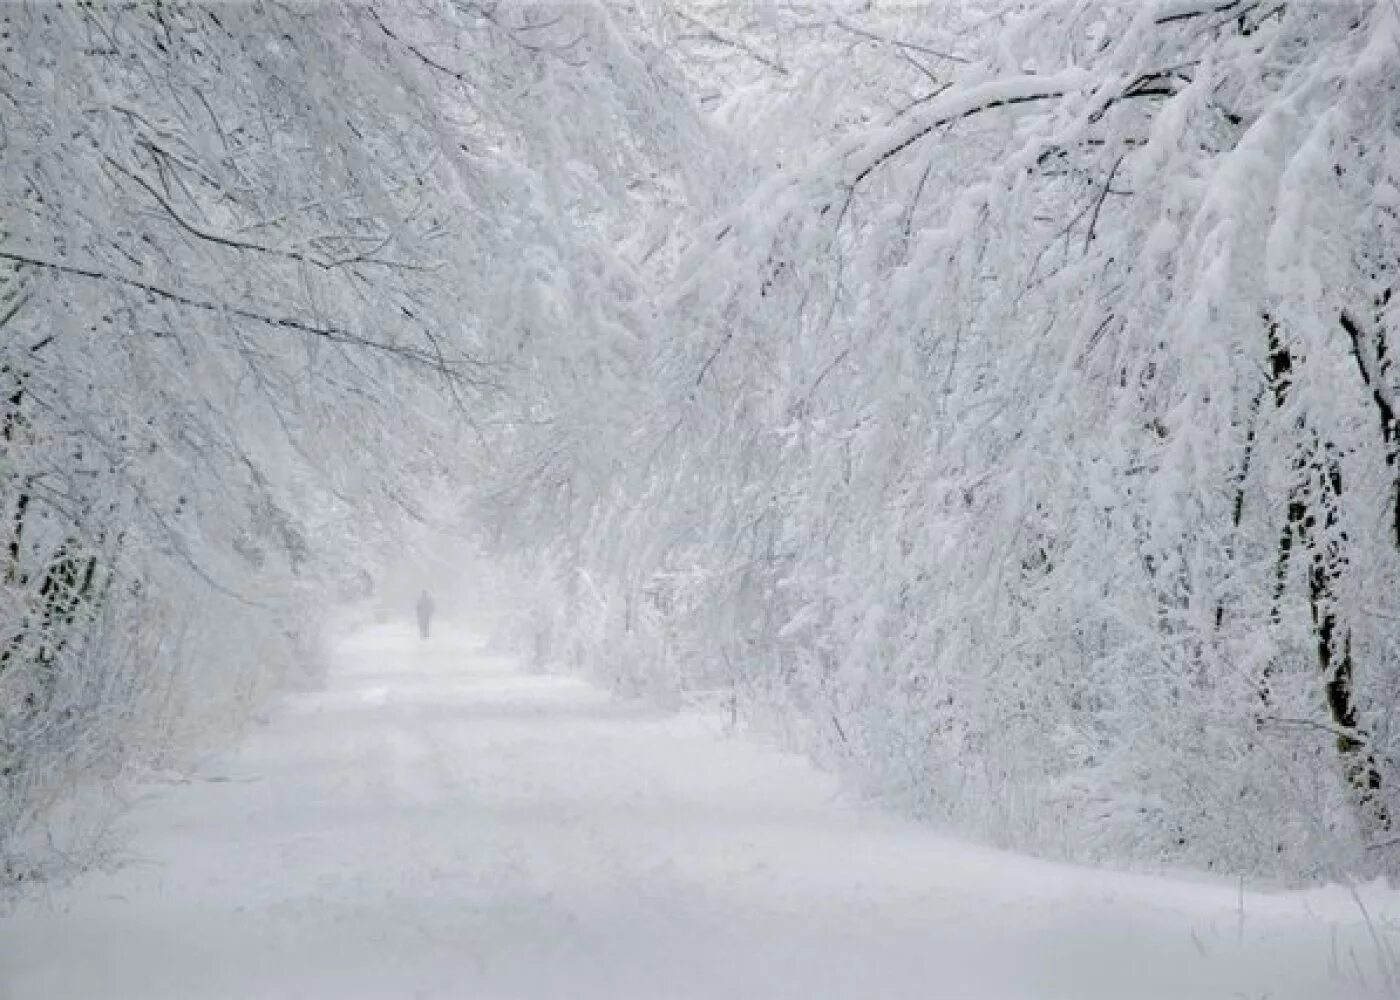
(436, 824)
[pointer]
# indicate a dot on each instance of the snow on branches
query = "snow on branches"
(1028, 439)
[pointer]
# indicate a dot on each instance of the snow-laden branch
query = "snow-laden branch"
(334, 334)
(1172, 11)
(889, 142)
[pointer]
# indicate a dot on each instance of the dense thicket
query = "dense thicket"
(1024, 440)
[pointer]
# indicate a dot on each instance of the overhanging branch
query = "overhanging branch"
(338, 335)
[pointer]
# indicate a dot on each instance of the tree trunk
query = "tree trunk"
(1313, 526)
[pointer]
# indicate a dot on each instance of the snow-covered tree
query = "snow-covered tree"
(1032, 441)
(266, 271)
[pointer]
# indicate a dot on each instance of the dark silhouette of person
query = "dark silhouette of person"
(425, 613)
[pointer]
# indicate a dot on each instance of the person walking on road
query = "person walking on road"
(425, 613)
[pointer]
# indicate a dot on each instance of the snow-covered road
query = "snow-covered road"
(436, 824)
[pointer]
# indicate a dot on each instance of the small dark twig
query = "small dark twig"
(1098, 205)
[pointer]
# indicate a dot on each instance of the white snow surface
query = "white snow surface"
(437, 823)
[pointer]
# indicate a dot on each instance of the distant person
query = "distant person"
(425, 613)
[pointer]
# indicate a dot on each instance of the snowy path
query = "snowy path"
(437, 825)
